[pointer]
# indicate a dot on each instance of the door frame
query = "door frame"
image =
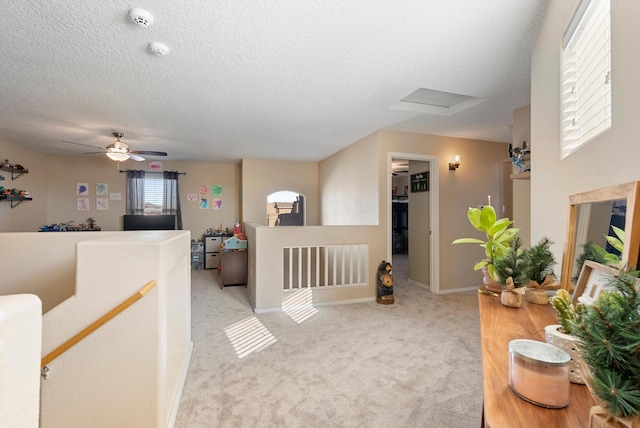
(434, 259)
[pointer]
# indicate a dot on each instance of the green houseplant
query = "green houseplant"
(539, 262)
(498, 236)
(609, 341)
(596, 253)
(512, 275)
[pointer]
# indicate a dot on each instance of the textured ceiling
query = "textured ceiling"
(271, 79)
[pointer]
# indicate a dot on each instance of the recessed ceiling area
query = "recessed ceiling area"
(268, 80)
(430, 101)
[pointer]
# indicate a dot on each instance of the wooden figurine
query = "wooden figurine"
(385, 284)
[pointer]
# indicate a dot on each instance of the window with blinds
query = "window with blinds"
(586, 75)
(153, 193)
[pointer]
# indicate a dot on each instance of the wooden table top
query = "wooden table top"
(502, 408)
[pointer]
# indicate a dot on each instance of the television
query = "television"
(149, 222)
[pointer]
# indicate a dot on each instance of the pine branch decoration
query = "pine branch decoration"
(609, 335)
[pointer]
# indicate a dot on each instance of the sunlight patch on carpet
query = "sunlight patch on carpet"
(249, 335)
(299, 305)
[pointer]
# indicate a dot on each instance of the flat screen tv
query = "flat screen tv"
(150, 222)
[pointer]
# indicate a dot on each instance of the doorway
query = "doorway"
(413, 218)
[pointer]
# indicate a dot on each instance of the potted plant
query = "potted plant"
(498, 237)
(539, 262)
(560, 335)
(609, 341)
(596, 253)
(512, 275)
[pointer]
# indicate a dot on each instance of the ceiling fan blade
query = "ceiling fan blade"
(148, 153)
(85, 145)
(94, 153)
(135, 157)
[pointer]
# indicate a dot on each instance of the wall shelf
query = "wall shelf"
(15, 200)
(15, 172)
(521, 176)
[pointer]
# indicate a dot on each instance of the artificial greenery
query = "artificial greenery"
(567, 314)
(591, 251)
(539, 261)
(609, 340)
(498, 236)
(512, 265)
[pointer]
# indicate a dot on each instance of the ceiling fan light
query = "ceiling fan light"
(119, 157)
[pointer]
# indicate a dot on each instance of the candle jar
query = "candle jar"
(539, 373)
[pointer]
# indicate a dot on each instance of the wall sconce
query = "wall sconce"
(456, 163)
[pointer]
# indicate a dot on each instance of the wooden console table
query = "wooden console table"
(502, 407)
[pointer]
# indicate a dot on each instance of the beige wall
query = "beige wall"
(611, 158)
(419, 228)
(521, 189)
(28, 216)
(52, 181)
(479, 175)
(349, 185)
(260, 178)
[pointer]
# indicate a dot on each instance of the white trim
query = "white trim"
(183, 379)
(434, 276)
(458, 290)
(418, 284)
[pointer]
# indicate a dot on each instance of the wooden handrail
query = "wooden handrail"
(98, 323)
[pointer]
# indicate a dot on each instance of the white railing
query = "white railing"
(325, 266)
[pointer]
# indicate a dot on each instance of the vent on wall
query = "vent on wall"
(436, 102)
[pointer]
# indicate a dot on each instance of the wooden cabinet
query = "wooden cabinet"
(502, 407)
(234, 268)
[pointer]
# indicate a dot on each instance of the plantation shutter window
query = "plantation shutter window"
(586, 75)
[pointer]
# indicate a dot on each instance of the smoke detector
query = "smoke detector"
(158, 49)
(141, 17)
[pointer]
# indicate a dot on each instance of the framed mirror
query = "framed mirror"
(591, 217)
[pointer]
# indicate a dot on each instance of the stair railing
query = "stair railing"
(94, 326)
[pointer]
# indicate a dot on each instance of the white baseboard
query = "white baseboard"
(458, 290)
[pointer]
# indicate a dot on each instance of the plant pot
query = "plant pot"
(600, 418)
(489, 283)
(537, 296)
(569, 344)
(512, 298)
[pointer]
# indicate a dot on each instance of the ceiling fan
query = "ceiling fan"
(119, 151)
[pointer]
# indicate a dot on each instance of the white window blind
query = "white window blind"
(586, 75)
(153, 193)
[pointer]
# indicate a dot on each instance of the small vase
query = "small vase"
(567, 343)
(512, 298)
(489, 283)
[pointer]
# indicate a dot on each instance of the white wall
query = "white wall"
(43, 264)
(611, 158)
(20, 341)
(130, 371)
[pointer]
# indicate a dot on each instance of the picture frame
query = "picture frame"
(420, 182)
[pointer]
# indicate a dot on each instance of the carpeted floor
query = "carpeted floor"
(416, 363)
